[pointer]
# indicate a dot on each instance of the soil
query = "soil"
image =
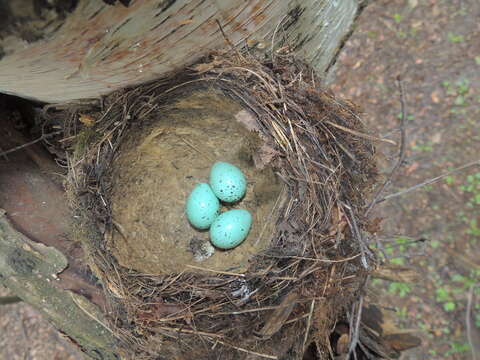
(434, 46)
(160, 163)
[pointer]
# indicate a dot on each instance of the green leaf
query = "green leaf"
(442, 294)
(455, 38)
(435, 244)
(449, 179)
(456, 348)
(460, 100)
(398, 261)
(400, 288)
(463, 86)
(449, 306)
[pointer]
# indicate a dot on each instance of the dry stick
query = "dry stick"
(359, 134)
(429, 181)
(266, 356)
(469, 324)
(228, 40)
(5, 300)
(216, 271)
(273, 38)
(43, 137)
(355, 332)
(309, 323)
(91, 315)
(356, 231)
(401, 156)
(188, 331)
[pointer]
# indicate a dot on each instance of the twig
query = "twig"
(469, 324)
(355, 330)
(429, 181)
(43, 137)
(318, 260)
(90, 314)
(309, 322)
(188, 331)
(273, 38)
(266, 356)
(228, 40)
(265, 308)
(359, 134)
(216, 271)
(356, 231)
(401, 155)
(296, 319)
(5, 300)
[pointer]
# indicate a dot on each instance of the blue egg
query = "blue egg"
(227, 182)
(202, 206)
(230, 228)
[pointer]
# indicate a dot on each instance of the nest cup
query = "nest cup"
(310, 168)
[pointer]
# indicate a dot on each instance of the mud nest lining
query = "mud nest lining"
(318, 258)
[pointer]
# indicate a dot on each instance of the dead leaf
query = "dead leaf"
(264, 156)
(357, 64)
(436, 138)
(342, 344)
(402, 342)
(412, 168)
(338, 222)
(278, 317)
(157, 311)
(86, 120)
(374, 225)
(413, 3)
(397, 273)
(247, 119)
(203, 68)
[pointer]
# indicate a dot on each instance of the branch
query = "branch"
(41, 138)
(5, 300)
(401, 154)
(473, 335)
(429, 181)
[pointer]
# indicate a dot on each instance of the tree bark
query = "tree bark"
(31, 270)
(100, 48)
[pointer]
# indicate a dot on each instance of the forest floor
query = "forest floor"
(434, 45)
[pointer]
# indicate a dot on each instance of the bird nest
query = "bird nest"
(292, 291)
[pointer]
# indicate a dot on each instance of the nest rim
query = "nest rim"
(298, 118)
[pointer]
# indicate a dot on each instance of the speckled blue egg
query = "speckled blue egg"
(202, 207)
(227, 182)
(230, 228)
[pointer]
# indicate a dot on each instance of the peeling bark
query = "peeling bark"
(101, 48)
